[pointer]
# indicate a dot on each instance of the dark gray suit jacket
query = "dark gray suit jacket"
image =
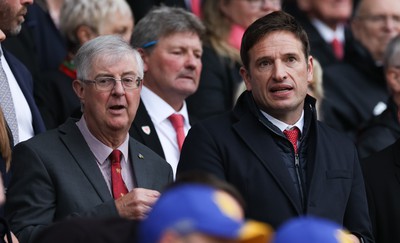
(56, 176)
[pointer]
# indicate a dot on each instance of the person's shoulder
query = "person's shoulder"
(52, 135)
(334, 135)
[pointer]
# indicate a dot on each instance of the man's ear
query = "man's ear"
(393, 79)
(84, 34)
(145, 57)
(79, 90)
(246, 77)
(310, 70)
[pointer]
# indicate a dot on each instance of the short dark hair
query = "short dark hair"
(275, 21)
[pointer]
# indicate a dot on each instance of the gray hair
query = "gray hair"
(112, 47)
(92, 13)
(392, 54)
(163, 21)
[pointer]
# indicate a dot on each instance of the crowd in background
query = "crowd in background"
(194, 70)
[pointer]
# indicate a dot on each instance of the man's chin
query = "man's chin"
(14, 31)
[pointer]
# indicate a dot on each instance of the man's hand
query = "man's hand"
(137, 203)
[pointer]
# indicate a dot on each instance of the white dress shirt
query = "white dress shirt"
(159, 111)
(22, 110)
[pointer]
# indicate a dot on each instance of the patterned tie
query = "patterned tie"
(7, 104)
(337, 48)
(177, 123)
(292, 135)
(118, 186)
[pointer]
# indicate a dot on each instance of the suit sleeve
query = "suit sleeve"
(32, 198)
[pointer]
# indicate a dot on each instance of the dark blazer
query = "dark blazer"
(352, 90)
(242, 149)
(379, 132)
(382, 179)
(219, 81)
(24, 80)
(55, 175)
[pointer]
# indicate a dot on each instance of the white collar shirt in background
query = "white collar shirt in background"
(22, 109)
(159, 111)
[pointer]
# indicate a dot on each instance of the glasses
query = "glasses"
(108, 83)
(261, 3)
(381, 19)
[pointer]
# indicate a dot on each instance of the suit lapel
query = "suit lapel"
(265, 149)
(76, 144)
(138, 161)
(146, 130)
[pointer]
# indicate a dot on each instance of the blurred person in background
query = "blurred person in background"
(315, 87)
(40, 45)
(326, 23)
(201, 213)
(382, 168)
(383, 130)
(140, 8)
(311, 229)
(356, 89)
(80, 21)
(17, 101)
(225, 22)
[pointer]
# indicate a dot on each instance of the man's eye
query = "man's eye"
(128, 80)
(105, 81)
(264, 64)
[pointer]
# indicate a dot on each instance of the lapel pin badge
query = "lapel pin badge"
(140, 156)
(146, 130)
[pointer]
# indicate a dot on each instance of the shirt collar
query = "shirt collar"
(327, 33)
(283, 126)
(158, 109)
(99, 149)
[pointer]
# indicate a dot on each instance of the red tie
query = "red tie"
(177, 123)
(337, 48)
(292, 135)
(118, 186)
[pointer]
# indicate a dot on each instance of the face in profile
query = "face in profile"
(12, 15)
(279, 75)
